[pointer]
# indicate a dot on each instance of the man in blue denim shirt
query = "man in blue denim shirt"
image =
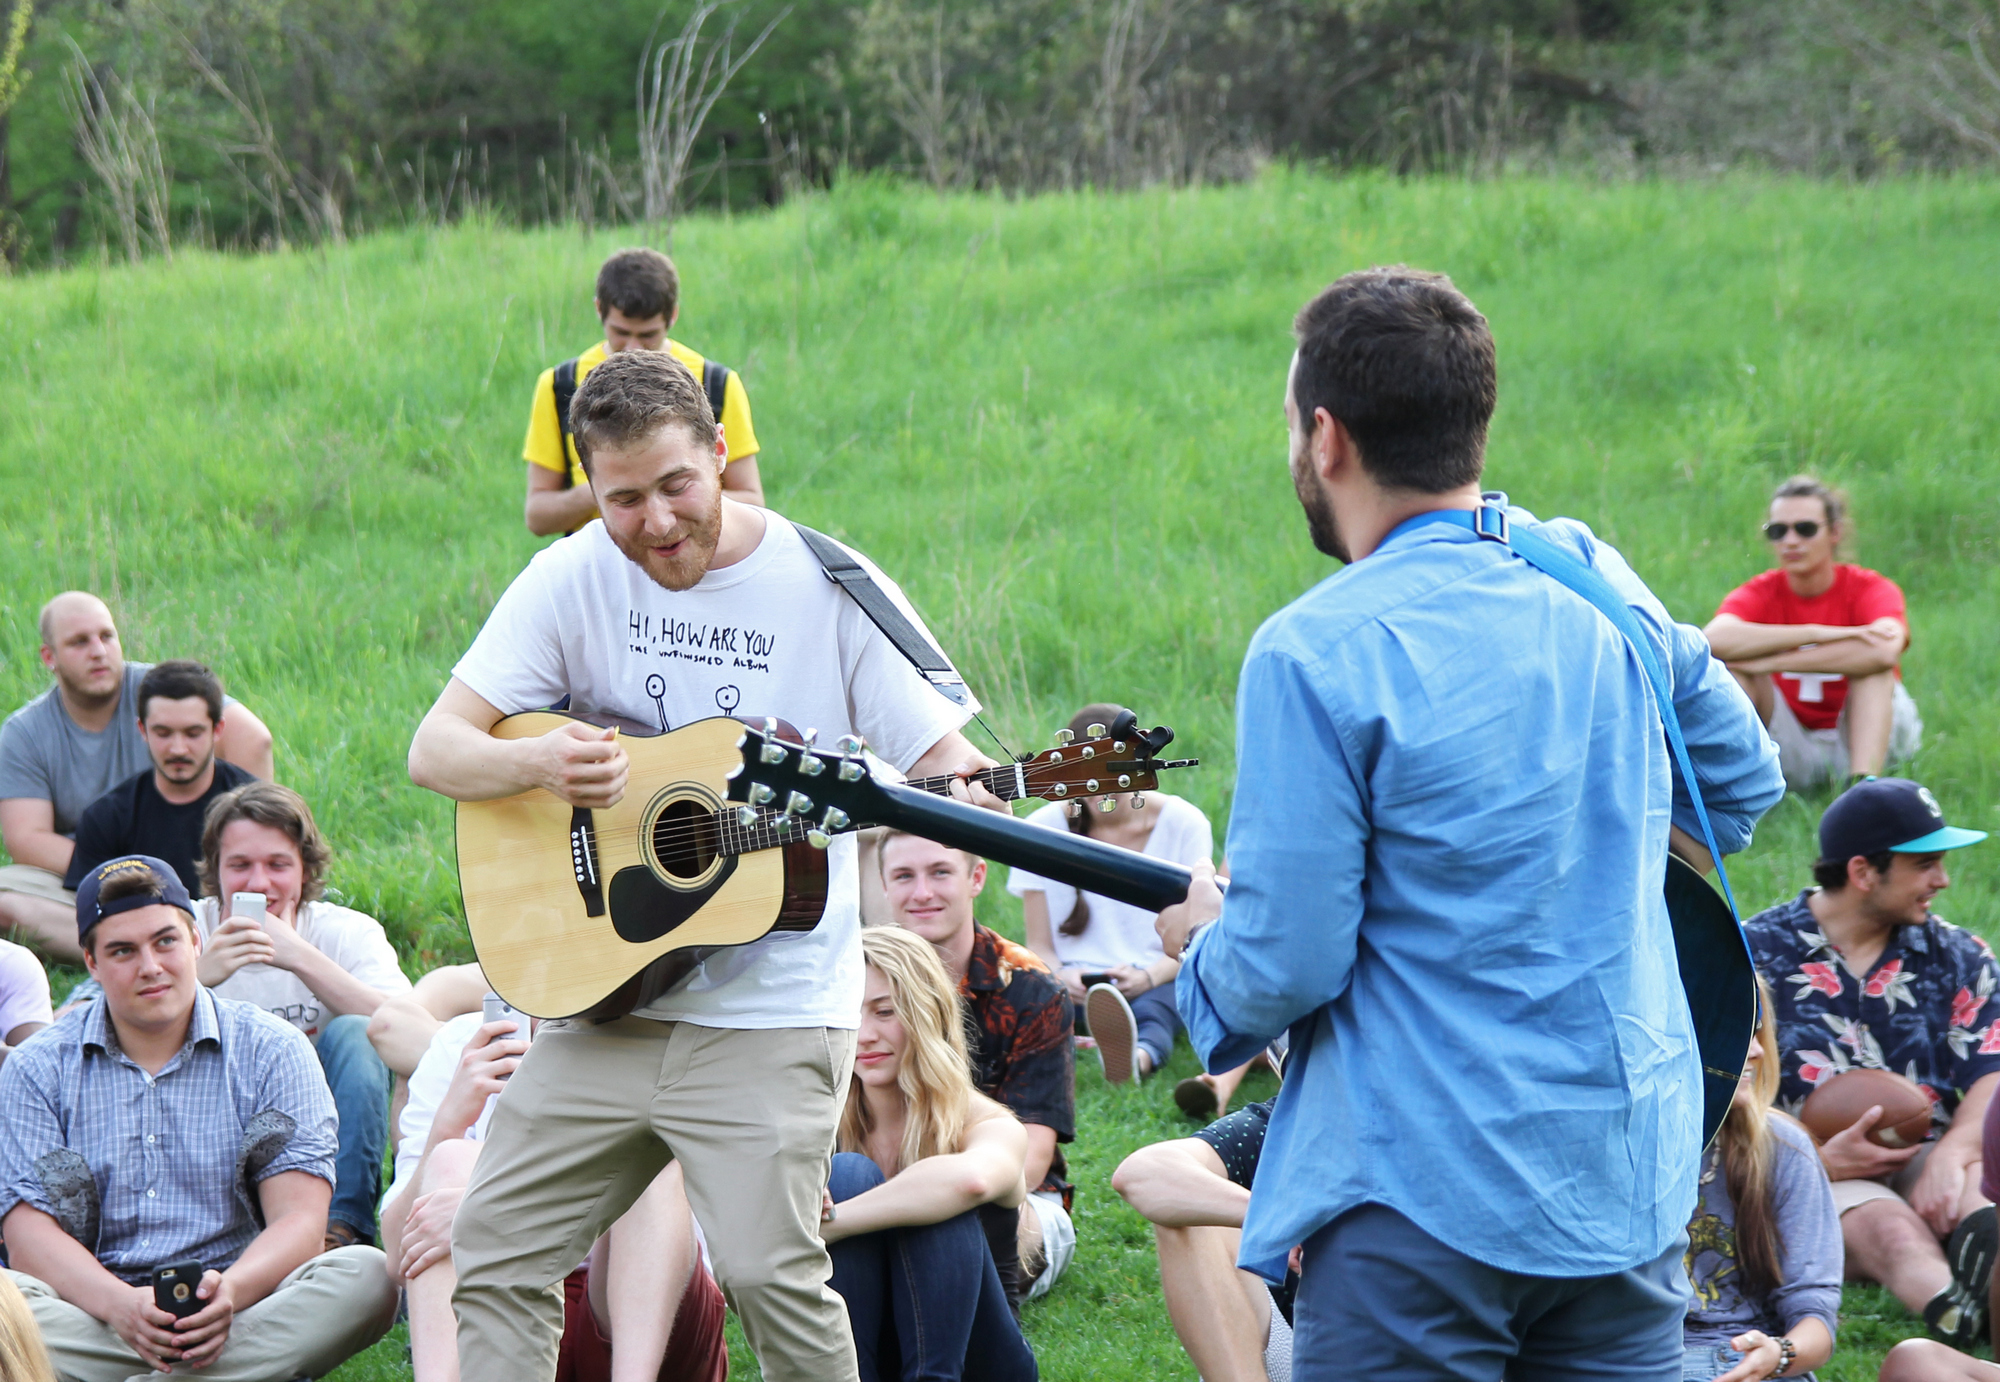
(1454, 803)
(160, 1124)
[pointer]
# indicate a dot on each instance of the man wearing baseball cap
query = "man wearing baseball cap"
(1864, 974)
(134, 1133)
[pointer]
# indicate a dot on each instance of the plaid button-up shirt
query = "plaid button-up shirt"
(176, 1156)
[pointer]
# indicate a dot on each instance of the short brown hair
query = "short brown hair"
(265, 803)
(890, 834)
(641, 283)
(1406, 363)
(633, 394)
(1832, 502)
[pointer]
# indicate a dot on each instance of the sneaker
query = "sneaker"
(1959, 1311)
(1117, 1031)
(1196, 1098)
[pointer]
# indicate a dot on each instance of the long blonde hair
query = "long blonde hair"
(935, 1076)
(1748, 1150)
(23, 1355)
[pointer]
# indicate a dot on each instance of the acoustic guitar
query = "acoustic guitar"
(596, 913)
(838, 792)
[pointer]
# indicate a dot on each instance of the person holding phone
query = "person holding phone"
(269, 938)
(1106, 953)
(160, 1132)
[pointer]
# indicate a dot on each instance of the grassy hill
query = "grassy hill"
(1057, 423)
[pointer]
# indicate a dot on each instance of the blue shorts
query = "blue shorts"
(1380, 1298)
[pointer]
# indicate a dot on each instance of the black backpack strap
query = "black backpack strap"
(851, 576)
(715, 383)
(564, 384)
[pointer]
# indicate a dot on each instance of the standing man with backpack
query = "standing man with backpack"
(638, 300)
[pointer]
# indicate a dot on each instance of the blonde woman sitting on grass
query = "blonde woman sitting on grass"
(1764, 1255)
(920, 1153)
(23, 1355)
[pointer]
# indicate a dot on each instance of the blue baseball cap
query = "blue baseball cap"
(1891, 814)
(164, 888)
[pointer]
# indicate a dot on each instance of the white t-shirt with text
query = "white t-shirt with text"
(353, 940)
(1118, 933)
(24, 988)
(768, 635)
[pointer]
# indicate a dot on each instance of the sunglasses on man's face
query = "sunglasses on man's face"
(1775, 532)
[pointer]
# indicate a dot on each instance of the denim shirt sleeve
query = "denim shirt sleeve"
(1735, 759)
(1299, 823)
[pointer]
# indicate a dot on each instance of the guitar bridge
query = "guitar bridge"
(583, 859)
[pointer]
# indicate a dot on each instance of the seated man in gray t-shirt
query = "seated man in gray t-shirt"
(69, 746)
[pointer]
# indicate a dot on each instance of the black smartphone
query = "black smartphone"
(174, 1286)
(1092, 980)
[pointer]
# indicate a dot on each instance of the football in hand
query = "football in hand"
(1836, 1105)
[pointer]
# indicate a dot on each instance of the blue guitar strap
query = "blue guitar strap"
(1489, 521)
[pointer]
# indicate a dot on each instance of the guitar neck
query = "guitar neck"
(1122, 875)
(1006, 781)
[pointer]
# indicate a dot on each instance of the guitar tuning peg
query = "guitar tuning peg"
(770, 725)
(772, 753)
(1061, 790)
(1063, 736)
(761, 795)
(1125, 780)
(818, 839)
(811, 765)
(1094, 731)
(806, 739)
(1118, 746)
(1075, 808)
(850, 745)
(1138, 801)
(851, 770)
(1091, 786)
(798, 804)
(1108, 805)
(746, 816)
(834, 819)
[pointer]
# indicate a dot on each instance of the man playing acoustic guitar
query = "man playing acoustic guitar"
(681, 604)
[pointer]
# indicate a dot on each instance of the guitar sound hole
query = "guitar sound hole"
(686, 839)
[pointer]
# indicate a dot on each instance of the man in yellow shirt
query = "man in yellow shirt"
(638, 300)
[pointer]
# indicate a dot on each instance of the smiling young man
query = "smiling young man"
(159, 1124)
(638, 300)
(69, 746)
(322, 967)
(159, 811)
(1818, 644)
(681, 604)
(1019, 1035)
(1862, 973)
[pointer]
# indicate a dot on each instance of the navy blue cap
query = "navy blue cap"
(166, 889)
(1890, 814)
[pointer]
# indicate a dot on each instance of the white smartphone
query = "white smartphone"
(252, 905)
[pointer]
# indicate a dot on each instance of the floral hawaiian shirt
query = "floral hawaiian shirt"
(1927, 1010)
(1019, 1032)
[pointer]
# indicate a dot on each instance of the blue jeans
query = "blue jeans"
(1159, 1022)
(1707, 1361)
(1380, 1298)
(360, 1085)
(924, 1300)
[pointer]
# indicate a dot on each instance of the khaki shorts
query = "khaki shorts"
(34, 882)
(1810, 757)
(1852, 1194)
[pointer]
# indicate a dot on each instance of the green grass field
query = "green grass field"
(1057, 423)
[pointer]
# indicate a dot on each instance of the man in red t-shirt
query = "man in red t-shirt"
(1816, 642)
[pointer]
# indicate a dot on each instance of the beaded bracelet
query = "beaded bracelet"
(1788, 1353)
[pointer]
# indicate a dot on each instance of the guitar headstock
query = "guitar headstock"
(828, 792)
(1108, 760)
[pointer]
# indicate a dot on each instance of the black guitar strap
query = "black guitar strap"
(851, 576)
(714, 383)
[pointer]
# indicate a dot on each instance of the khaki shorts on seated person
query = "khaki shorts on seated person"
(34, 882)
(1851, 1194)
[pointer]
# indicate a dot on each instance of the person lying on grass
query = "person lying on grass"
(1764, 1253)
(1195, 1190)
(642, 1304)
(927, 1171)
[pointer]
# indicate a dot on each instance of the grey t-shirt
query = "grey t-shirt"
(46, 755)
(1811, 1258)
